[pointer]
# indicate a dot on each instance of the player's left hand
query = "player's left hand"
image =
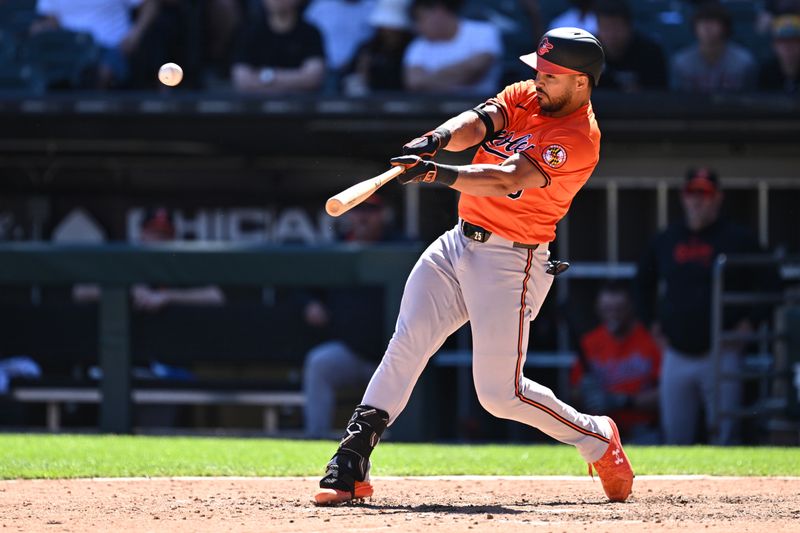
(427, 145)
(417, 169)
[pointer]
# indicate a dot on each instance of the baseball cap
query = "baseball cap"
(568, 51)
(786, 27)
(701, 179)
(392, 14)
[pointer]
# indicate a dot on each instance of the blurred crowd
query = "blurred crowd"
(358, 47)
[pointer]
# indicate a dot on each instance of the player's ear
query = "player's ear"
(582, 82)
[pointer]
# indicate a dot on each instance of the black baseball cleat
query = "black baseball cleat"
(339, 485)
(347, 474)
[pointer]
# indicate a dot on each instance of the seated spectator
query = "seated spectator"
(109, 22)
(349, 322)
(782, 73)
(617, 372)
(157, 226)
(344, 25)
(580, 15)
(378, 65)
(715, 63)
(451, 54)
(279, 52)
(633, 61)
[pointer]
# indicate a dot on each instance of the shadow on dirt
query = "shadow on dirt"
(466, 509)
(448, 509)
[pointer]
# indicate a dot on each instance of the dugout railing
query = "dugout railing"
(622, 194)
(771, 351)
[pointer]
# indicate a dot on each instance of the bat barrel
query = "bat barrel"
(334, 207)
(352, 196)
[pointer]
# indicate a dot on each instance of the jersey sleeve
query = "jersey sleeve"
(507, 100)
(313, 45)
(413, 55)
(586, 344)
(563, 154)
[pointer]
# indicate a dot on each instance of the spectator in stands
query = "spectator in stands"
(774, 8)
(109, 22)
(222, 19)
(279, 52)
(618, 369)
(580, 15)
(633, 61)
(379, 64)
(680, 260)
(715, 63)
(344, 25)
(157, 227)
(451, 54)
(782, 73)
(349, 322)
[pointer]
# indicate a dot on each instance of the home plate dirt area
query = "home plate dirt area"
(658, 504)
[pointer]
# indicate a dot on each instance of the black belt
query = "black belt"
(477, 233)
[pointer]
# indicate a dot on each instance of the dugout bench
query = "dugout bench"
(117, 266)
(55, 397)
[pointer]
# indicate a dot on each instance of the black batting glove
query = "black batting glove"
(423, 170)
(427, 145)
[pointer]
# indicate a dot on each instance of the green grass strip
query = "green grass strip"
(69, 456)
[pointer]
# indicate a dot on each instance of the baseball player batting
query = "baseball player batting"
(539, 143)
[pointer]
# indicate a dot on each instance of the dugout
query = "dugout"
(245, 169)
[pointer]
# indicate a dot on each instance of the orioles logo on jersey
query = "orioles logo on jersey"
(506, 141)
(554, 155)
(544, 47)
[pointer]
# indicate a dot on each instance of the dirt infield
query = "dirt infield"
(402, 504)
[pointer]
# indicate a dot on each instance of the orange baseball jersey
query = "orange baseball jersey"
(564, 149)
(624, 366)
(628, 365)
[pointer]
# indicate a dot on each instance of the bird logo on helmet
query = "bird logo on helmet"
(544, 47)
(569, 51)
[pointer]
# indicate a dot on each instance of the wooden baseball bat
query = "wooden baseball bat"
(352, 196)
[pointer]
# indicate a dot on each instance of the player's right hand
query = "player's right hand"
(428, 145)
(416, 169)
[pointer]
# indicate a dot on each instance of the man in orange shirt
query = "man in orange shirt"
(539, 143)
(617, 371)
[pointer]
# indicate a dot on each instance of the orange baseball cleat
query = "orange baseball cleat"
(614, 468)
(361, 490)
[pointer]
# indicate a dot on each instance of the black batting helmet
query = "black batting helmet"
(568, 51)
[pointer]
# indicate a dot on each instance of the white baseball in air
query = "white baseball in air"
(170, 74)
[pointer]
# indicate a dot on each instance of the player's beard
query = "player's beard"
(554, 105)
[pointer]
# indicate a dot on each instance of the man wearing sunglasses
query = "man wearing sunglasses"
(674, 295)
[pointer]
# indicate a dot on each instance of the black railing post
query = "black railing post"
(115, 360)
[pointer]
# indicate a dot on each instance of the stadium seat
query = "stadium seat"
(63, 56)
